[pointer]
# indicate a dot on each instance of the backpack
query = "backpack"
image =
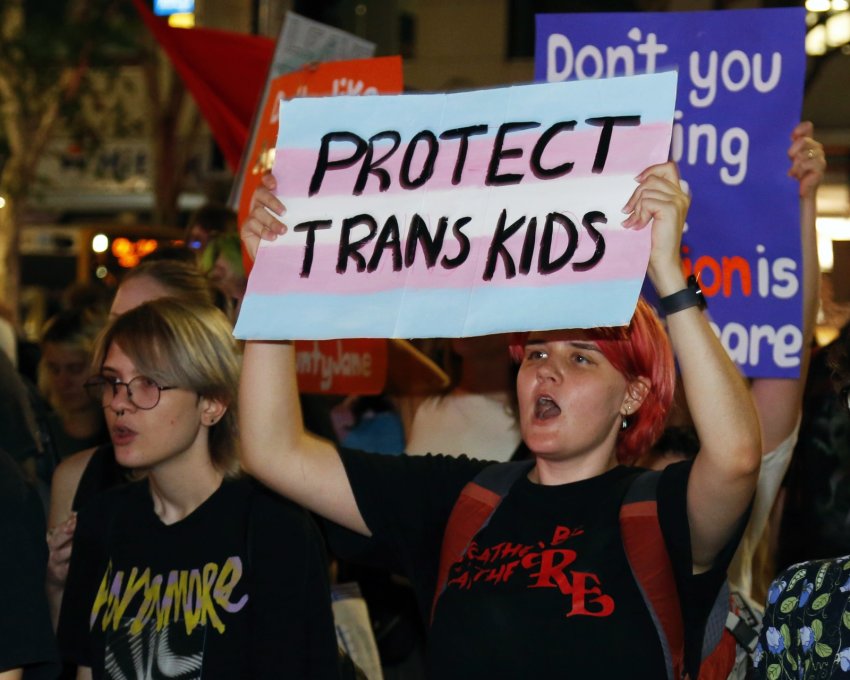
(647, 555)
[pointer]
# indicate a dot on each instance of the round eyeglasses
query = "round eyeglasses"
(142, 392)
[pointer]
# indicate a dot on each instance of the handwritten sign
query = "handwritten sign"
(356, 77)
(459, 214)
(739, 98)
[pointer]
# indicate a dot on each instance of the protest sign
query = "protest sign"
(357, 366)
(365, 366)
(360, 76)
(459, 214)
(302, 42)
(740, 95)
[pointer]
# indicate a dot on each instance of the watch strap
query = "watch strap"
(687, 297)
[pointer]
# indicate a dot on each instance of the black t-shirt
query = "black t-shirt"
(238, 589)
(102, 472)
(26, 636)
(545, 590)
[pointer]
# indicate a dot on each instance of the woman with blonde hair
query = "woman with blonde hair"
(193, 567)
(83, 475)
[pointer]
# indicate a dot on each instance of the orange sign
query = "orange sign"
(382, 75)
(341, 366)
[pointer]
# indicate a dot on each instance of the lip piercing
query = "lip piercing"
(810, 153)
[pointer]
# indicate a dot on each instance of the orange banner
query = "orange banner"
(382, 75)
(341, 366)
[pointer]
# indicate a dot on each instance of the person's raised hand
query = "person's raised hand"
(264, 220)
(660, 199)
(808, 160)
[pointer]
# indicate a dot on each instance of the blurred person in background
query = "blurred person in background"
(74, 421)
(476, 415)
(209, 221)
(804, 632)
(221, 260)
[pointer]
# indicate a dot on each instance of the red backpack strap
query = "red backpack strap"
(719, 645)
(471, 513)
(650, 563)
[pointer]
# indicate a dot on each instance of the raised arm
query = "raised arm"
(276, 448)
(778, 400)
(725, 472)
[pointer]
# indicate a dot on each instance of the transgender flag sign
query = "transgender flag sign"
(449, 215)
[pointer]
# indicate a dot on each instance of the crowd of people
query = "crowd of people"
(195, 524)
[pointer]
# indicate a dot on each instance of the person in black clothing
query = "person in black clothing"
(73, 422)
(27, 647)
(83, 475)
(544, 590)
(195, 568)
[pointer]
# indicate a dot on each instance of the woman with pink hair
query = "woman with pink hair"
(545, 588)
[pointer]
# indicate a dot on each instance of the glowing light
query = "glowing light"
(145, 246)
(182, 20)
(838, 29)
(100, 243)
(830, 229)
(816, 41)
(2, 202)
(818, 5)
(840, 5)
(128, 253)
(101, 272)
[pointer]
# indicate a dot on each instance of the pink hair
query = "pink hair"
(640, 349)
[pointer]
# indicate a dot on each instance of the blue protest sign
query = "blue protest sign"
(741, 75)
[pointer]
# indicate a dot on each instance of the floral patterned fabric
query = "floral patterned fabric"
(806, 629)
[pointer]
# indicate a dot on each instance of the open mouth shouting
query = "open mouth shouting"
(545, 408)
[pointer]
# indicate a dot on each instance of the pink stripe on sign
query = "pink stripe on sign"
(629, 149)
(625, 257)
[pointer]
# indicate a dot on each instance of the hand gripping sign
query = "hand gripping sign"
(449, 215)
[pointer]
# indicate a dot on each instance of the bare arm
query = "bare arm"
(725, 472)
(84, 673)
(13, 674)
(779, 400)
(275, 446)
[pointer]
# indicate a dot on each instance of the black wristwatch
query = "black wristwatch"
(687, 297)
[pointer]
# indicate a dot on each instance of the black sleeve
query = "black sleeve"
(291, 619)
(26, 635)
(405, 501)
(87, 565)
(673, 516)
(697, 592)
